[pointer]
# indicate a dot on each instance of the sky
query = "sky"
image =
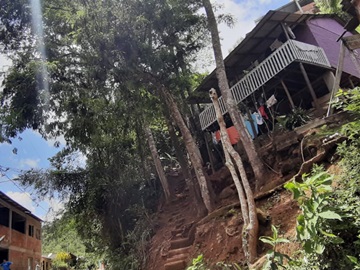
(33, 152)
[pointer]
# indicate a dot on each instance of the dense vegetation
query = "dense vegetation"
(329, 226)
(108, 71)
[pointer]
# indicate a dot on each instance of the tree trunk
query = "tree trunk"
(193, 187)
(191, 148)
(248, 208)
(254, 159)
(158, 166)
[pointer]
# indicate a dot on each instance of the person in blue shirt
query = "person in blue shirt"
(6, 265)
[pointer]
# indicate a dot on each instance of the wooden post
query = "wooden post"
(351, 82)
(355, 61)
(285, 31)
(308, 83)
(337, 76)
(288, 94)
(299, 7)
(329, 79)
(209, 153)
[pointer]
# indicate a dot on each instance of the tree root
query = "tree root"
(218, 213)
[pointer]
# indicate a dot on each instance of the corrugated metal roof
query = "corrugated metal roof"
(10, 201)
(255, 44)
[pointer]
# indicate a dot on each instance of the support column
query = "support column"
(329, 79)
(354, 60)
(211, 159)
(299, 7)
(10, 226)
(285, 31)
(351, 82)
(308, 83)
(288, 94)
(339, 70)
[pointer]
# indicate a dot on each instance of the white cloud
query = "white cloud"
(60, 139)
(244, 13)
(51, 142)
(28, 162)
(265, 1)
(23, 198)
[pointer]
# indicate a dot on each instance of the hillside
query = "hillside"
(180, 236)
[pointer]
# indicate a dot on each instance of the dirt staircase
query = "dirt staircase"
(182, 238)
(183, 233)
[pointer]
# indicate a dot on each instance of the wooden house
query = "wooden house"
(291, 57)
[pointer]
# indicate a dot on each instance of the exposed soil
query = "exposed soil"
(218, 238)
(180, 236)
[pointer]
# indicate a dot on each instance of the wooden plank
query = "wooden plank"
(288, 94)
(308, 83)
(258, 78)
(289, 52)
(295, 49)
(276, 57)
(281, 57)
(339, 70)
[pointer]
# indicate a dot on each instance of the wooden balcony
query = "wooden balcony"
(289, 52)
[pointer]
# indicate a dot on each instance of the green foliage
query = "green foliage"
(198, 264)
(61, 235)
(313, 196)
(105, 61)
(355, 261)
(329, 6)
(350, 101)
(274, 259)
(296, 118)
(227, 266)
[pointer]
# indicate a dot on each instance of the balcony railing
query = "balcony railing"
(289, 52)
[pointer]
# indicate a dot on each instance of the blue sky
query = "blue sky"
(33, 151)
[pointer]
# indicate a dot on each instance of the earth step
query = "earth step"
(178, 236)
(174, 252)
(178, 258)
(180, 243)
(177, 265)
(179, 223)
(176, 232)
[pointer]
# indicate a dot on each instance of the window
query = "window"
(38, 234)
(31, 230)
(30, 263)
(18, 222)
(4, 216)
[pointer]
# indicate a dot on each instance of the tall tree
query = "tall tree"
(255, 161)
(247, 202)
(99, 54)
(157, 161)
